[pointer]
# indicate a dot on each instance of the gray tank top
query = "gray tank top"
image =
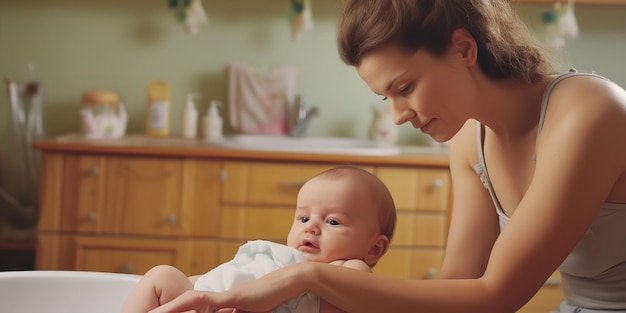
(594, 274)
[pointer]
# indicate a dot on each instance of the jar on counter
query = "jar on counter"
(103, 115)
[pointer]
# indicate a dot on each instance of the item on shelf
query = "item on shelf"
(189, 120)
(158, 109)
(213, 123)
(383, 129)
(19, 162)
(103, 115)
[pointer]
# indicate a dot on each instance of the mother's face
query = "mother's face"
(427, 91)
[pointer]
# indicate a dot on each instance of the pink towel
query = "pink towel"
(260, 99)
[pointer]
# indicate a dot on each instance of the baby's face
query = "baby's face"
(335, 219)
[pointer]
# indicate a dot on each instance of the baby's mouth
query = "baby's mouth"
(308, 244)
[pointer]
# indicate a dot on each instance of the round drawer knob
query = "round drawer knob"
(171, 219)
(431, 273)
(91, 216)
(437, 184)
(93, 171)
(127, 268)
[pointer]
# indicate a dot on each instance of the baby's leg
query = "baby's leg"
(159, 285)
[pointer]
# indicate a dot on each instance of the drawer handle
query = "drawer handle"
(127, 268)
(437, 184)
(91, 216)
(171, 218)
(431, 273)
(93, 171)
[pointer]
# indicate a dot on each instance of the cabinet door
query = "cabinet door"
(422, 198)
(420, 230)
(84, 192)
(78, 190)
(201, 199)
(143, 195)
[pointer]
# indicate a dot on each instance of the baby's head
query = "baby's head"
(343, 213)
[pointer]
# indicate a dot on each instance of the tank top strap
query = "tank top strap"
(548, 91)
(481, 169)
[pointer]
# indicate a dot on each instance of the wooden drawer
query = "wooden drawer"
(136, 256)
(420, 229)
(252, 223)
(133, 256)
(410, 263)
(262, 183)
(416, 189)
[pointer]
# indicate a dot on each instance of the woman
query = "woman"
(538, 162)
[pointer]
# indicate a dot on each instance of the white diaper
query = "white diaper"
(253, 260)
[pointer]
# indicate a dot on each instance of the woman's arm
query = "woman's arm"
(356, 264)
(474, 213)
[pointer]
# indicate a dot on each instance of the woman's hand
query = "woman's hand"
(260, 295)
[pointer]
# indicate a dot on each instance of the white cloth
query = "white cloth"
(253, 260)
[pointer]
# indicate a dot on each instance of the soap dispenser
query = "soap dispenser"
(189, 122)
(213, 122)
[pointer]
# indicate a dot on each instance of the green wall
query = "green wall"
(119, 45)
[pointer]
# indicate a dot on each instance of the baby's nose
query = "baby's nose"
(312, 227)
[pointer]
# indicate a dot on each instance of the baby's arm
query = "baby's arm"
(356, 264)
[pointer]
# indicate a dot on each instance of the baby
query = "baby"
(344, 216)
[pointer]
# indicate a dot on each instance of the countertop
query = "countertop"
(141, 145)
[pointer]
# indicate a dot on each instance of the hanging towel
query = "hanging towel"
(259, 99)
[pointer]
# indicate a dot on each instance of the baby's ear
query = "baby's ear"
(377, 250)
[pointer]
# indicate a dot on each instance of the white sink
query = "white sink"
(322, 145)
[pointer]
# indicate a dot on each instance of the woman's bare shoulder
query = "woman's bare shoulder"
(588, 109)
(463, 150)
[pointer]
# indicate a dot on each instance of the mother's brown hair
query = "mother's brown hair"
(506, 49)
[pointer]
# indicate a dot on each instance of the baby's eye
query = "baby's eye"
(384, 98)
(304, 219)
(333, 222)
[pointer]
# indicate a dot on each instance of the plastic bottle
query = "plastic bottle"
(158, 109)
(189, 121)
(213, 122)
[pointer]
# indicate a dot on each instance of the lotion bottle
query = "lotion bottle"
(158, 109)
(213, 124)
(189, 121)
